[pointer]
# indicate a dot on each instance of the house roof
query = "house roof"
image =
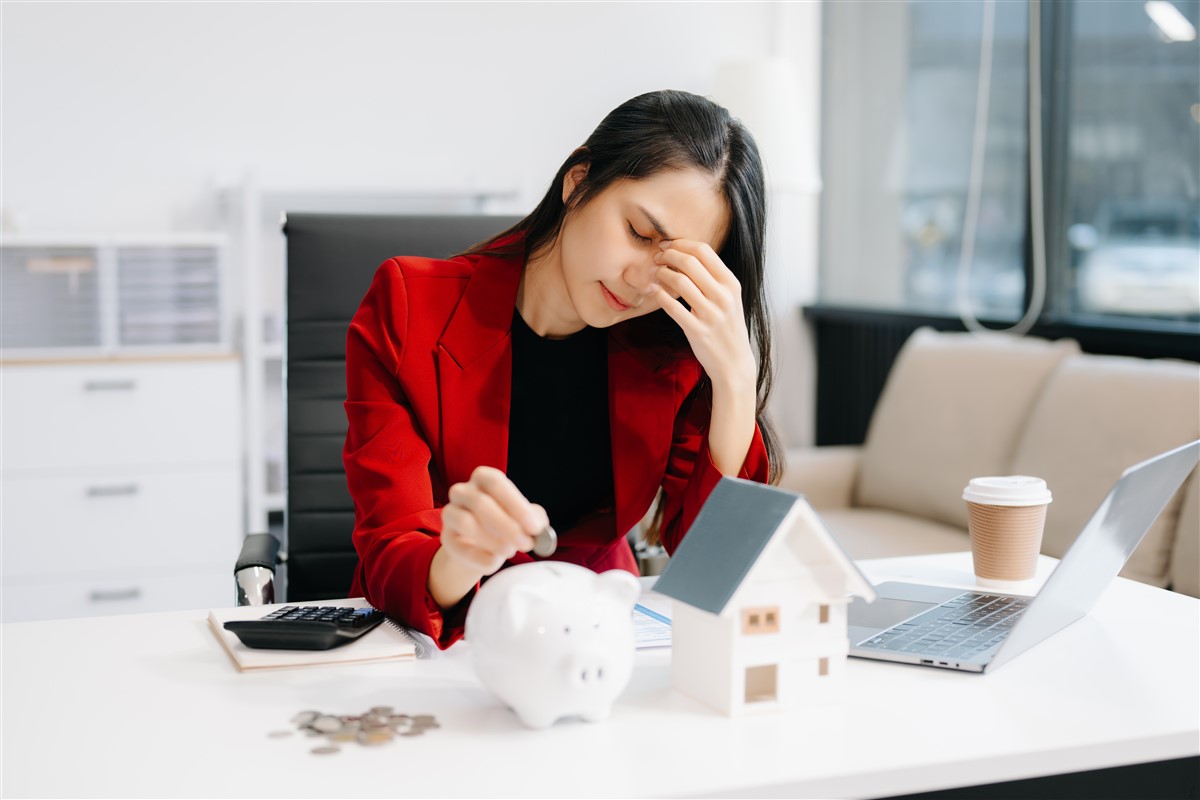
(729, 535)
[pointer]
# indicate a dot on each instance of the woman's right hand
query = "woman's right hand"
(488, 521)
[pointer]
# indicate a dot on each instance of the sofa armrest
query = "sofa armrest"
(825, 475)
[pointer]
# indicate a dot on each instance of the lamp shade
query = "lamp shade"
(765, 94)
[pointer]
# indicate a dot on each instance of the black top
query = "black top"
(559, 443)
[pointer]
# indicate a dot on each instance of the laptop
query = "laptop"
(977, 631)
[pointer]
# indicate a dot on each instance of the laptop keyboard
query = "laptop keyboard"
(962, 627)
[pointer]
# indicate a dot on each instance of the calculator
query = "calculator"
(306, 627)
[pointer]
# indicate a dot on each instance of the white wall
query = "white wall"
(118, 116)
(124, 117)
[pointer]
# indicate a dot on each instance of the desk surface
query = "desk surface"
(149, 705)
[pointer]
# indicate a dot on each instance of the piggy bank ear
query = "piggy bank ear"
(620, 584)
(521, 604)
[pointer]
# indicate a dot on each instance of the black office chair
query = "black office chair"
(331, 259)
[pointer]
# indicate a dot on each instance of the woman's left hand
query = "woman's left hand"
(716, 324)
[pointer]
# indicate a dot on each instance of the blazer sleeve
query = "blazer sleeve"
(397, 524)
(691, 474)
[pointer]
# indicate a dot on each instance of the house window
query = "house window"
(824, 614)
(762, 683)
(760, 620)
(823, 667)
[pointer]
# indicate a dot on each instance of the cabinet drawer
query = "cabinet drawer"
(125, 592)
(120, 519)
(120, 413)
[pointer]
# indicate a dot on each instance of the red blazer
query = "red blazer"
(428, 380)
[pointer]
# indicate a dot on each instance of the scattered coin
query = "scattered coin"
(377, 726)
(371, 738)
(326, 724)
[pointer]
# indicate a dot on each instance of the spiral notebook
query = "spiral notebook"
(387, 642)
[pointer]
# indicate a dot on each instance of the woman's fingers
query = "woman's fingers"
(707, 258)
(677, 311)
(496, 484)
(489, 514)
(488, 520)
(679, 260)
(680, 284)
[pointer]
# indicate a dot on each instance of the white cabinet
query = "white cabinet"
(112, 496)
(120, 428)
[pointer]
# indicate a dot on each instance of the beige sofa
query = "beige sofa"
(961, 405)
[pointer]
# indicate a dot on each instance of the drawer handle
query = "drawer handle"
(105, 595)
(112, 491)
(110, 386)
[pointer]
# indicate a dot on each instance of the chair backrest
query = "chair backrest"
(331, 259)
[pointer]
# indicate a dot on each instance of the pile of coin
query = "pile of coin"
(377, 726)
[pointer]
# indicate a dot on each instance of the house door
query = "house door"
(762, 683)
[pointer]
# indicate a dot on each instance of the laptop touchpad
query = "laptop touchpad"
(884, 612)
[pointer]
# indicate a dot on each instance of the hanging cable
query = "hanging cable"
(975, 181)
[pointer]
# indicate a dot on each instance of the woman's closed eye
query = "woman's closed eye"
(638, 236)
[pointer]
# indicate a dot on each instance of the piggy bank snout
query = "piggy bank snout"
(588, 669)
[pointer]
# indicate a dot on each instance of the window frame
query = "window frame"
(1147, 337)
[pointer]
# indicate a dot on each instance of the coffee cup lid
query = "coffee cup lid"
(1007, 490)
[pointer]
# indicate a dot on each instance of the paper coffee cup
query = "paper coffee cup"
(1005, 519)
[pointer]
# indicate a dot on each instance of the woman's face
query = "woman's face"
(607, 247)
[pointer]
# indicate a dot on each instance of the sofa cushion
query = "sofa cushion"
(1185, 555)
(1098, 416)
(952, 409)
(875, 533)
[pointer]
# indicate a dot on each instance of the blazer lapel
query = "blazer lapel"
(641, 408)
(475, 371)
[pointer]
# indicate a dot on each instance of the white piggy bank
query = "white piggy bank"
(553, 639)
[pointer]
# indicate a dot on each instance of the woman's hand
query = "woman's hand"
(716, 325)
(488, 521)
(716, 329)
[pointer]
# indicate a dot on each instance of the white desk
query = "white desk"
(150, 705)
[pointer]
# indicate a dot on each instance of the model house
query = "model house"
(760, 589)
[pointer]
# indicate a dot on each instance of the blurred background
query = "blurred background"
(149, 151)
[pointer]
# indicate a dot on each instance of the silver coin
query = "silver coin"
(546, 542)
(326, 724)
(373, 738)
(327, 749)
(423, 719)
(380, 711)
(305, 717)
(279, 734)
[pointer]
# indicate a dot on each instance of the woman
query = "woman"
(563, 371)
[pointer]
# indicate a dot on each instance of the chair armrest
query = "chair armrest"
(254, 571)
(825, 475)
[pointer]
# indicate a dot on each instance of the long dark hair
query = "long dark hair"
(669, 130)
